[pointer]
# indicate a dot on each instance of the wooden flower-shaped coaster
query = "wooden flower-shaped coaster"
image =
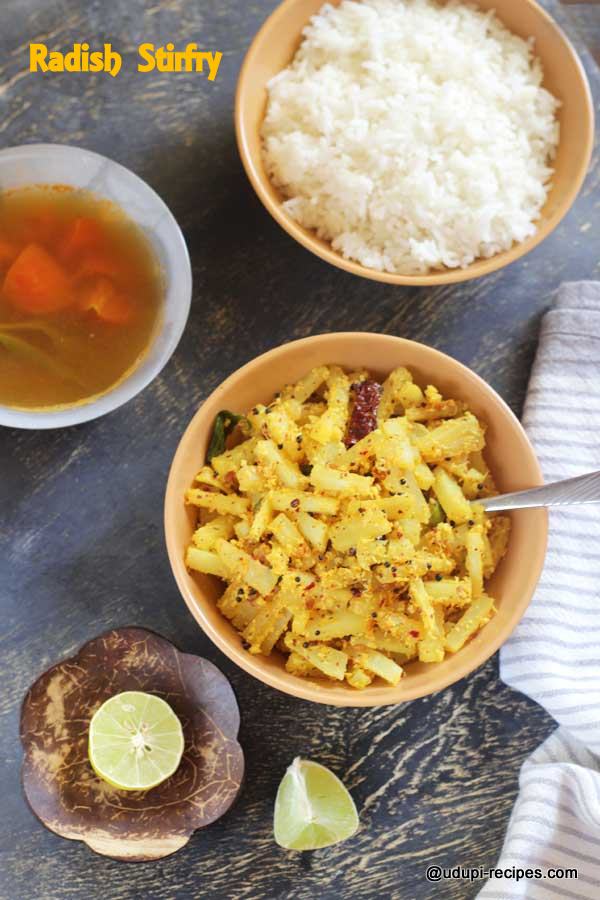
(59, 782)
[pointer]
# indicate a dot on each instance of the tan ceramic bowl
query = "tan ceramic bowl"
(273, 49)
(509, 454)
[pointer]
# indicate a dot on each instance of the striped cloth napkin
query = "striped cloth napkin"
(554, 654)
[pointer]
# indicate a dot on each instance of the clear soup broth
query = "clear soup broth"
(81, 292)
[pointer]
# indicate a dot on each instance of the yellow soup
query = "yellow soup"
(81, 292)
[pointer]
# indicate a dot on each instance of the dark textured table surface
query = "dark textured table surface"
(81, 536)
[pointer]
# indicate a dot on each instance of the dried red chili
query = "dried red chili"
(363, 418)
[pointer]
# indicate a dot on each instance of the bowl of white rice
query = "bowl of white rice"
(415, 141)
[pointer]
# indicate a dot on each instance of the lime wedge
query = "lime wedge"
(313, 809)
(135, 741)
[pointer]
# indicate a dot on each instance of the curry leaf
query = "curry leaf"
(225, 423)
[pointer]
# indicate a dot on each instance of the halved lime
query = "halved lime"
(313, 809)
(135, 741)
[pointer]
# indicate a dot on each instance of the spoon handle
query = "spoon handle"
(583, 489)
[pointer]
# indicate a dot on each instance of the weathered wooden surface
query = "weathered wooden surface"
(82, 546)
(585, 14)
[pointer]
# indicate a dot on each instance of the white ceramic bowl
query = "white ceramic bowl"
(60, 164)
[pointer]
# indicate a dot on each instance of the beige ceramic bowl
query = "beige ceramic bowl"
(509, 454)
(278, 40)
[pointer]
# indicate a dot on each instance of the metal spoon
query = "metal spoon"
(583, 489)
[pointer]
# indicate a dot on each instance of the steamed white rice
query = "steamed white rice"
(412, 134)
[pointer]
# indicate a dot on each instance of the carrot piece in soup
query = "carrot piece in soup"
(109, 305)
(83, 234)
(36, 283)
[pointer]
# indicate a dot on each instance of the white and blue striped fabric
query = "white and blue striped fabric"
(554, 654)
